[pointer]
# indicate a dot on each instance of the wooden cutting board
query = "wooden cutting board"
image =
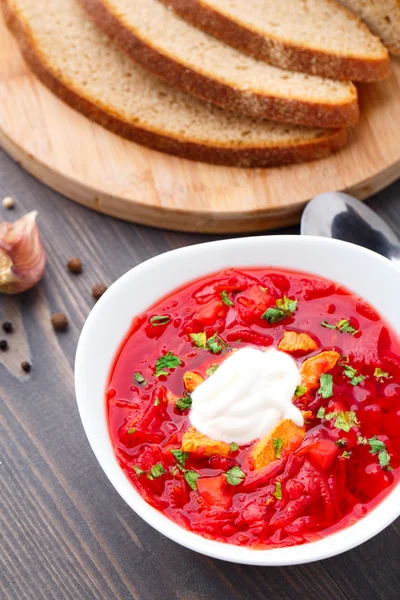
(94, 167)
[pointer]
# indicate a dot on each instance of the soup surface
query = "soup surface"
(297, 482)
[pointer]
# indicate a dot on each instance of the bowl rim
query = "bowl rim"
(386, 511)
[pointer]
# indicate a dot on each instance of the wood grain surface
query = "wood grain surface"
(65, 534)
(111, 175)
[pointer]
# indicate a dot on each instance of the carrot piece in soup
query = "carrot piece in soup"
(312, 368)
(196, 442)
(192, 380)
(297, 343)
(268, 449)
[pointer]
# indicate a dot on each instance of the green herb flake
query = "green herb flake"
(278, 445)
(180, 456)
(183, 403)
(211, 370)
(384, 460)
(156, 471)
(199, 339)
(234, 447)
(376, 445)
(326, 386)
(138, 471)
(169, 361)
(132, 430)
(352, 374)
(158, 320)
(342, 442)
(321, 412)
(191, 478)
(139, 378)
(343, 326)
(346, 454)
(284, 308)
(278, 490)
(214, 344)
(345, 420)
(235, 476)
(300, 391)
(381, 375)
(327, 325)
(361, 441)
(225, 299)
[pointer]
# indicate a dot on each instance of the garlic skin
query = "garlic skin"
(22, 256)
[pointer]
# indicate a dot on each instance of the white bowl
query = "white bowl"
(364, 272)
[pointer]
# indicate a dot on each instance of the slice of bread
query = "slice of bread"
(318, 37)
(80, 64)
(382, 17)
(162, 42)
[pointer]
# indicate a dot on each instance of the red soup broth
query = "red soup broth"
(349, 458)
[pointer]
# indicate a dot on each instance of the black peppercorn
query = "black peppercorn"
(3, 345)
(25, 366)
(7, 326)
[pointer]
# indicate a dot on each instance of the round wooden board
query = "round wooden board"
(92, 166)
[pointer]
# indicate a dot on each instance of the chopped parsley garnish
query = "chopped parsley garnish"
(169, 361)
(225, 299)
(138, 471)
(214, 344)
(180, 456)
(361, 441)
(321, 412)
(284, 308)
(157, 402)
(346, 454)
(132, 430)
(384, 460)
(211, 370)
(278, 445)
(381, 375)
(342, 442)
(352, 374)
(326, 386)
(158, 320)
(378, 447)
(235, 476)
(300, 390)
(344, 420)
(156, 471)
(139, 378)
(183, 403)
(234, 447)
(199, 339)
(278, 490)
(191, 478)
(343, 326)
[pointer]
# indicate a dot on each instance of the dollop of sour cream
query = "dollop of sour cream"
(249, 393)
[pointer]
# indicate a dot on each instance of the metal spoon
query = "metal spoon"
(340, 216)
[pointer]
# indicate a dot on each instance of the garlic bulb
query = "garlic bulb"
(22, 257)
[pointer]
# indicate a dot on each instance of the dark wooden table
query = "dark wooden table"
(64, 532)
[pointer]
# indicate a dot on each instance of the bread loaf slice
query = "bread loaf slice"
(162, 42)
(319, 37)
(80, 64)
(382, 17)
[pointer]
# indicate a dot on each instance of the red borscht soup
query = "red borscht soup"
(298, 482)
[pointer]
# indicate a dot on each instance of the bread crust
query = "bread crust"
(297, 112)
(240, 156)
(279, 52)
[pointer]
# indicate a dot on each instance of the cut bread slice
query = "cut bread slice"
(319, 37)
(162, 42)
(382, 17)
(80, 64)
